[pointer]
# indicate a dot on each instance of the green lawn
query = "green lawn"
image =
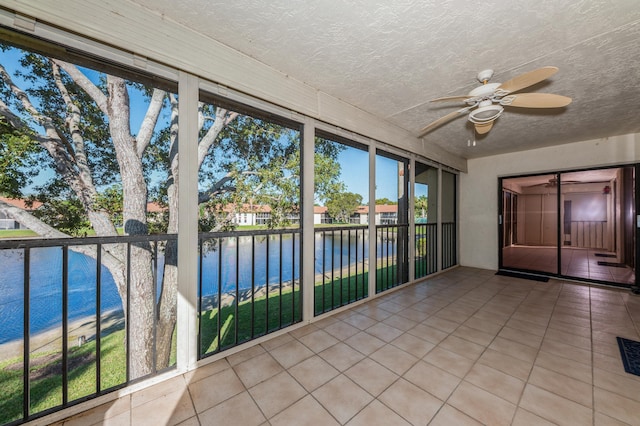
(274, 314)
(27, 233)
(236, 326)
(340, 292)
(46, 375)
(17, 233)
(336, 293)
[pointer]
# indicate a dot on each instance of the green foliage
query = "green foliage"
(17, 160)
(327, 169)
(385, 201)
(258, 157)
(421, 206)
(94, 126)
(110, 200)
(68, 216)
(342, 205)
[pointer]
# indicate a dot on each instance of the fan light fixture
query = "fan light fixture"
(485, 113)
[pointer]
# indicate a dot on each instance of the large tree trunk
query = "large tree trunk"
(167, 306)
(72, 164)
(134, 195)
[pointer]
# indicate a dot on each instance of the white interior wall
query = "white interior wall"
(479, 187)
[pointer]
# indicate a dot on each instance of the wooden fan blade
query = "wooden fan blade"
(452, 98)
(482, 129)
(440, 121)
(527, 79)
(536, 100)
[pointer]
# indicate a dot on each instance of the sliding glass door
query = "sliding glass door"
(579, 224)
(530, 223)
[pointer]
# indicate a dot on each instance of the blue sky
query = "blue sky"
(355, 174)
(354, 162)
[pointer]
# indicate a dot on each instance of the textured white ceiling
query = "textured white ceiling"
(391, 57)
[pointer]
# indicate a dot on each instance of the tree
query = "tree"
(342, 205)
(17, 160)
(385, 202)
(81, 126)
(327, 169)
(421, 206)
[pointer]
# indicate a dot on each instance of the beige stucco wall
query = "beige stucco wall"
(479, 187)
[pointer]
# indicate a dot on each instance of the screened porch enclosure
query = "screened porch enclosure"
(121, 291)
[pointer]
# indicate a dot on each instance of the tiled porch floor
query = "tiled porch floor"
(576, 262)
(464, 348)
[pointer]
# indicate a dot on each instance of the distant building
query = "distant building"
(321, 216)
(8, 223)
(249, 214)
(386, 214)
(154, 211)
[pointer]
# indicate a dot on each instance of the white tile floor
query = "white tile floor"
(576, 262)
(464, 348)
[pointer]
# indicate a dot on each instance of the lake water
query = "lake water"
(254, 265)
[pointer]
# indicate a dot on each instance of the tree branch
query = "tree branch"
(222, 119)
(150, 120)
(220, 187)
(111, 258)
(51, 140)
(73, 123)
(173, 148)
(87, 85)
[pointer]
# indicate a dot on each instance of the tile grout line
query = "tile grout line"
(487, 347)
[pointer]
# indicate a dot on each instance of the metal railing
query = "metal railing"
(65, 338)
(449, 246)
(391, 256)
(426, 249)
(249, 286)
(71, 327)
(341, 267)
(588, 234)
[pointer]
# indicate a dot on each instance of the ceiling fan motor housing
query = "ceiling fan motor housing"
(484, 91)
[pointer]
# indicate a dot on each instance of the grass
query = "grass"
(277, 311)
(27, 233)
(269, 315)
(46, 375)
(340, 292)
(282, 312)
(17, 233)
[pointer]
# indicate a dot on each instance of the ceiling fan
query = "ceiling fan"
(553, 182)
(486, 102)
